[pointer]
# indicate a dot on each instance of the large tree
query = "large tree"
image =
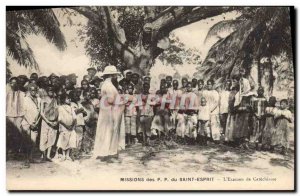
(134, 36)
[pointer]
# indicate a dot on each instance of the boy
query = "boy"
(130, 117)
(258, 105)
(203, 122)
(146, 113)
(224, 101)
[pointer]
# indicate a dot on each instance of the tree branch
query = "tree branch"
(88, 12)
(182, 16)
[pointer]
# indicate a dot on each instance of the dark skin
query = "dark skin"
(34, 76)
(189, 87)
(200, 85)
(91, 73)
(209, 85)
(260, 92)
(14, 84)
(169, 81)
(184, 82)
(135, 78)
(130, 89)
(175, 84)
(76, 99)
(194, 82)
(227, 85)
(84, 85)
(68, 84)
(146, 88)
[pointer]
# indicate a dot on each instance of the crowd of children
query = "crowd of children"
(58, 116)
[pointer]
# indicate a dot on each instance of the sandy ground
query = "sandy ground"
(142, 162)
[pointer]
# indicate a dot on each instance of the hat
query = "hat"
(146, 77)
(127, 71)
(91, 68)
(110, 70)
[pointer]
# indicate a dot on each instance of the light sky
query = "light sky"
(74, 59)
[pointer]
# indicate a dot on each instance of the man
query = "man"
(30, 124)
(126, 80)
(14, 114)
(135, 79)
(107, 140)
(91, 72)
(22, 80)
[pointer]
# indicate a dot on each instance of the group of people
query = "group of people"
(109, 112)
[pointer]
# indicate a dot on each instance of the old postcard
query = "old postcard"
(150, 98)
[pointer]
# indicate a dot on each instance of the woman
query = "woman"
(109, 121)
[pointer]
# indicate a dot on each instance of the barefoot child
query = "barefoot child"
(203, 122)
(67, 121)
(281, 134)
(79, 127)
(49, 115)
(130, 117)
(269, 124)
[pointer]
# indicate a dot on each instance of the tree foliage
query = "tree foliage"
(258, 32)
(21, 23)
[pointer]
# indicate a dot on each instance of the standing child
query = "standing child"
(79, 127)
(280, 136)
(130, 117)
(224, 103)
(269, 124)
(213, 99)
(90, 123)
(190, 102)
(49, 115)
(146, 113)
(67, 121)
(258, 104)
(203, 122)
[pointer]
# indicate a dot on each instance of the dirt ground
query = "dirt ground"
(139, 161)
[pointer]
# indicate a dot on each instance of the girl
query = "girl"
(269, 124)
(67, 121)
(49, 115)
(79, 127)
(90, 121)
(281, 134)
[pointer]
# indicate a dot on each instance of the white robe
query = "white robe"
(108, 136)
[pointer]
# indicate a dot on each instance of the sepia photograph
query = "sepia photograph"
(150, 98)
